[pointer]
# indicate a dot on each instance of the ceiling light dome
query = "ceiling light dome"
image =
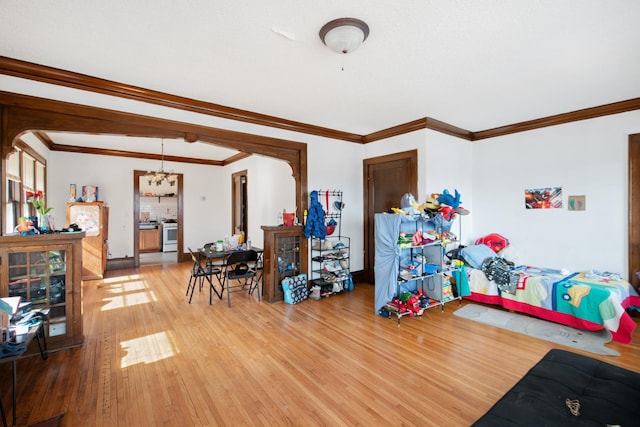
(344, 35)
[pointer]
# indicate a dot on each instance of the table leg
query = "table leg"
(15, 387)
(4, 415)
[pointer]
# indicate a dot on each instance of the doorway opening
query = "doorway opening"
(386, 180)
(158, 225)
(239, 205)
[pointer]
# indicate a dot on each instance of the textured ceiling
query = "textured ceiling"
(474, 64)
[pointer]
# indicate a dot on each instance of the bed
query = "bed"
(569, 389)
(583, 300)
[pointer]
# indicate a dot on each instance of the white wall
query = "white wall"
(444, 162)
(207, 194)
(397, 144)
(270, 189)
(337, 165)
(448, 165)
(584, 158)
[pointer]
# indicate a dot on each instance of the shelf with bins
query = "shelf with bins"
(415, 276)
(424, 281)
(330, 264)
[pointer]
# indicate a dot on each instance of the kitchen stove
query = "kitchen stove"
(169, 235)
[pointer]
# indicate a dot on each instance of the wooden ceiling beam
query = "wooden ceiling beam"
(56, 76)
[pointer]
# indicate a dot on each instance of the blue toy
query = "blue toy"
(447, 199)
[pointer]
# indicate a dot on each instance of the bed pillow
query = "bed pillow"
(474, 255)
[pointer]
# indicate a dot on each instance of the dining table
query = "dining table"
(218, 259)
(211, 254)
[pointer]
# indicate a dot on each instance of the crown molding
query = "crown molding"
(424, 123)
(56, 76)
(559, 119)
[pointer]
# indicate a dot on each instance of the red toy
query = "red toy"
(494, 241)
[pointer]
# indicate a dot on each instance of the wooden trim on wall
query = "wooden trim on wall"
(135, 155)
(559, 119)
(21, 113)
(56, 76)
(424, 123)
(634, 210)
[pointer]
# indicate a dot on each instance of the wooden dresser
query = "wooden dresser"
(93, 217)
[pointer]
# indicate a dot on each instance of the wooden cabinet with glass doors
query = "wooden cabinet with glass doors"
(46, 270)
(285, 255)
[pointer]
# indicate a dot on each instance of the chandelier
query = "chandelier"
(160, 175)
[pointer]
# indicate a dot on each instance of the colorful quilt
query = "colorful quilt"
(580, 300)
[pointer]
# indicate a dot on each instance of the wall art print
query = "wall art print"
(577, 203)
(543, 198)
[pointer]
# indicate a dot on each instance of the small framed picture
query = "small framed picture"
(577, 203)
(72, 192)
(90, 193)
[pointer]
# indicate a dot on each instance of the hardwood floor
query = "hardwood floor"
(152, 359)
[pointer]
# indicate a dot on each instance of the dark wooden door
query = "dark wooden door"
(634, 209)
(386, 180)
(239, 205)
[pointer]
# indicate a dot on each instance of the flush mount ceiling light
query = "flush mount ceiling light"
(160, 175)
(344, 35)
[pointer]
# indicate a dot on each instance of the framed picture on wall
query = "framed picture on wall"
(90, 193)
(543, 198)
(577, 203)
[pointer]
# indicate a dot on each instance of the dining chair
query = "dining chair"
(239, 269)
(199, 274)
(210, 263)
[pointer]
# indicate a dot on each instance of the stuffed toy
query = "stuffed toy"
(416, 240)
(448, 213)
(447, 199)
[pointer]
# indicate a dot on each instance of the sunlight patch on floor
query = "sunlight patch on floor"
(126, 293)
(148, 349)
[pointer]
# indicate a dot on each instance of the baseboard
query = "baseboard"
(120, 263)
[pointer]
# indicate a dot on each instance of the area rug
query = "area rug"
(592, 342)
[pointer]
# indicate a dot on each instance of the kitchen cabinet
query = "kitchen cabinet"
(46, 270)
(150, 240)
(93, 218)
(285, 255)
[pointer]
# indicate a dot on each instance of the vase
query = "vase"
(43, 223)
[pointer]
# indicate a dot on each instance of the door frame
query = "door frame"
(137, 174)
(244, 198)
(368, 192)
(634, 210)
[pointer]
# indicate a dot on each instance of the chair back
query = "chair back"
(238, 263)
(197, 265)
(193, 256)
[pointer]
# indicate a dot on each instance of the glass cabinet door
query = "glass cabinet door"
(40, 277)
(288, 256)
